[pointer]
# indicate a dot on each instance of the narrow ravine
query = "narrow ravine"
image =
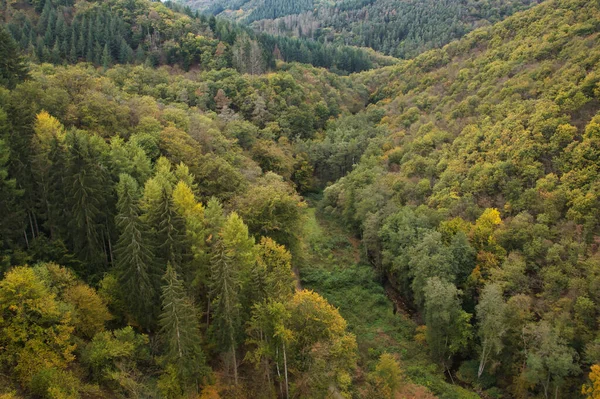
(333, 267)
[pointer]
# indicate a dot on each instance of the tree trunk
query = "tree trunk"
(110, 251)
(235, 375)
(31, 225)
(546, 386)
(37, 229)
(450, 374)
(287, 388)
(483, 360)
(278, 372)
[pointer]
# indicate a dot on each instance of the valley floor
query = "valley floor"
(334, 268)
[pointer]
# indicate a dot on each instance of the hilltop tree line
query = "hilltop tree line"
(403, 29)
(162, 34)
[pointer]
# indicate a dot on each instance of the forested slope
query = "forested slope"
(153, 218)
(482, 203)
(252, 10)
(158, 33)
(400, 28)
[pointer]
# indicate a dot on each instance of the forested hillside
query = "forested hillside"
(187, 215)
(154, 33)
(252, 10)
(481, 205)
(145, 213)
(399, 28)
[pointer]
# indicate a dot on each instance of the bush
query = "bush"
(52, 383)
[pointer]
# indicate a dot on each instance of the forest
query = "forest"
(187, 213)
(398, 28)
(155, 33)
(253, 10)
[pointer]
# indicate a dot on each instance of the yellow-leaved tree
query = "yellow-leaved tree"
(34, 331)
(592, 390)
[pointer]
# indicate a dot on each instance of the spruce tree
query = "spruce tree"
(125, 52)
(58, 215)
(234, 255)
(12, 65)
(73, 54)
(86, 198)
(180, 329)
(225, 290)
(89, 46)
(106, 58)
(170, 231)
(168, 227)
(82, 39)
(12, 224)
(134, 258)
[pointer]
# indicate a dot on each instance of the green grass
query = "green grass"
(333, 268)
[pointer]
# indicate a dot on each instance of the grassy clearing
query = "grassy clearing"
(331, 269)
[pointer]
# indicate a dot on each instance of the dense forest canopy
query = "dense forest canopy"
(399, 28)
(155, 33)
(185, 214)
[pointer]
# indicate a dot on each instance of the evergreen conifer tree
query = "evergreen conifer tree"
(86, 197)
(180, 329)
(134, 258)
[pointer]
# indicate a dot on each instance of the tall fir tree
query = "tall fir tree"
(12, 214)
(58, 215)
(231, 265)
(168, 226)
(137, 272)
(169, 231)
(106, 58)
(180, 330)
(87, 199)
(225, 290)
(12, 64)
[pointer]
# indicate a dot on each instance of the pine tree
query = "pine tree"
(225, 284)
(134, 258)
(73, 48)
(87, 199)
(125, 52)
(50, 34)
(170, 231)
(167, 224)
(180, 329)
(231, 265)
(44, 17)
(214, 218)
(277, 262)
(47, 131)
(58, 215)
(106, 58)
(212, 23)
(62, 33)
(12, 213)
(12, 65)
(81, 40)
(193, 214)
(89, 46)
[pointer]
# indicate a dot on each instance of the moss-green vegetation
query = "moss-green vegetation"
(334, 269)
